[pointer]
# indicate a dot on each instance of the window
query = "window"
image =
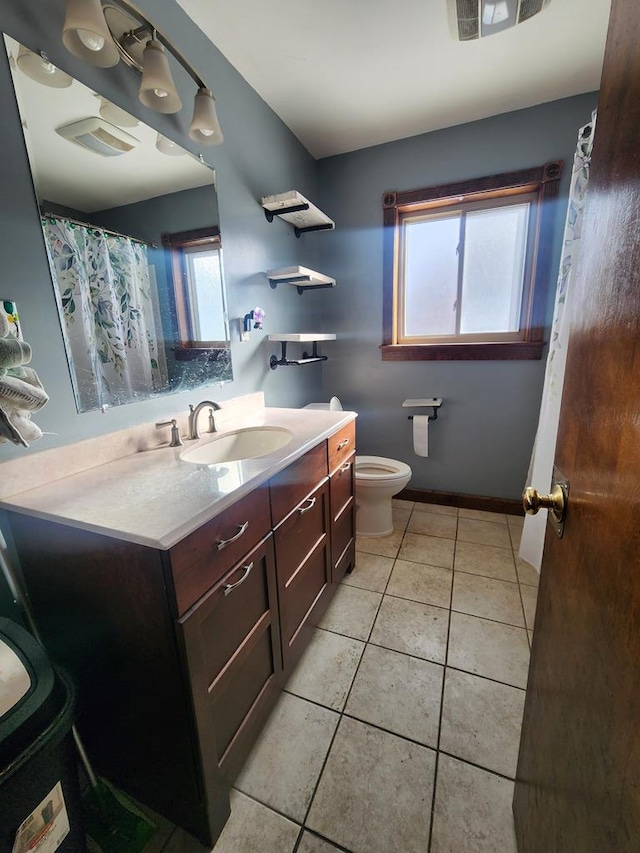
(467, 266)
(196, 271)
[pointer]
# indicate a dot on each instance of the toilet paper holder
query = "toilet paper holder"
(426, 402)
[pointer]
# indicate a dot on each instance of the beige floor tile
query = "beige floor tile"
(432, 550)
(326, 669)
(439, 509)
(413, 628)
(253, 828)
(485, 560)
(472, 810)
(375, 792)
(487, 597)
(371, 572)
(529, 600)
(483, 515)
(483, 533)
(433, 524)
(398, 693)
(401, 517)
(481, 721)
(527, 575)
(312, 844)
(428, 584)
(385, 546)
(488, 648)
(284, 765)
(352, 612)
(530, 635)
(516, 535)
(398, 502)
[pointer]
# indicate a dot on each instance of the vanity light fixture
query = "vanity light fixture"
(39, 68)
(116, 115)
(168, 146)
(102, 34)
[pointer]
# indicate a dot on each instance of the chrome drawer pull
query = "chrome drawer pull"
(345, 467)
(312, 503)
(229, 587)
(241, 529)
(342, 444)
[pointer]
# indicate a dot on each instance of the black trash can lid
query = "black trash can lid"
(30, 692)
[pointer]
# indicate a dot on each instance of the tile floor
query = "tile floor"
(399, 729)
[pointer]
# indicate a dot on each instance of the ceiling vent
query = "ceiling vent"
(99, 136)
(473, 19)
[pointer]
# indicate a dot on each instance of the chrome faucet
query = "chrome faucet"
(193, 417)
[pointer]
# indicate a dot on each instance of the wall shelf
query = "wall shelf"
(298, 211)
(307, 358)
(303, 278)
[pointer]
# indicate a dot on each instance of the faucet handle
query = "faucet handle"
(176, 440)
(212, 421)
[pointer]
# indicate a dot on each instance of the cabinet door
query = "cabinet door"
(232, 643)
(303, 560)
(343, 519)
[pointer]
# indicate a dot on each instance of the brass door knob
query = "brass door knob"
(532, 501)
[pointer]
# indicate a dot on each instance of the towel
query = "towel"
(21, 391)
(13, 352)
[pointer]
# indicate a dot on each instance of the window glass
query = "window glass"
(204, 282)
(431, 276)
(493, 271)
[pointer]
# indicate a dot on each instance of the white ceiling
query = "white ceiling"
(347, 74)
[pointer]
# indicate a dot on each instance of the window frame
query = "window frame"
(543, 182)
(177, 244)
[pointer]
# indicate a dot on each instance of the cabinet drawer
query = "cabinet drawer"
(290, 486)
(201, 559)
(342, 486)
(341, 445)
(346, 563)
(301, 533)
(342, 531)
(231, 639)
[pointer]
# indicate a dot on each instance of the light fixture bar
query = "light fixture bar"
(149, 29)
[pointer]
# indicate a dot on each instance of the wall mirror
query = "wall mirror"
(131, 229)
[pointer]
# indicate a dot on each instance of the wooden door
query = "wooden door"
(578, 781)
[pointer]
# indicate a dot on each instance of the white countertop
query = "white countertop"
(154, 498)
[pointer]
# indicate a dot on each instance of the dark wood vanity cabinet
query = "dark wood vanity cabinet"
(179, 655)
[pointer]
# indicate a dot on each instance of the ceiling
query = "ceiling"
(348, 74)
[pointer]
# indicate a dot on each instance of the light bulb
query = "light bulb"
(48, 67)
(160, 93)
(206, 132)
(92, 41)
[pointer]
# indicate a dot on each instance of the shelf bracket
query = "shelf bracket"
(269, 214)
(323, 227)
(306, 358)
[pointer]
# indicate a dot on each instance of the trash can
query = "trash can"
(40, 809)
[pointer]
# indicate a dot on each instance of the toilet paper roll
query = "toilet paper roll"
(421, 435)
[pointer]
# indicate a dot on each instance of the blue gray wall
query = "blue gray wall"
(481, 443)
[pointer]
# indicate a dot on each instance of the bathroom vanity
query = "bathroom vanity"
(181, 621)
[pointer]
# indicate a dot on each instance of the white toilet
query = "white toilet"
(378, 479)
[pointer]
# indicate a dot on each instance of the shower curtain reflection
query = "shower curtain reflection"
(106, 295)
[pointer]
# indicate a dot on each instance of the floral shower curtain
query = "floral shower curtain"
(105, 297)
(541, 467)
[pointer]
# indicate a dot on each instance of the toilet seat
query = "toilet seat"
(372, 469)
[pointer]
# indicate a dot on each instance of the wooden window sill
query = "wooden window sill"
(499, 351)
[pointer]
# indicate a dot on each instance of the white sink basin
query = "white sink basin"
(249, 443)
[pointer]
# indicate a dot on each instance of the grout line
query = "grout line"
(478, 766)
(444, 679)
(267, 806)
